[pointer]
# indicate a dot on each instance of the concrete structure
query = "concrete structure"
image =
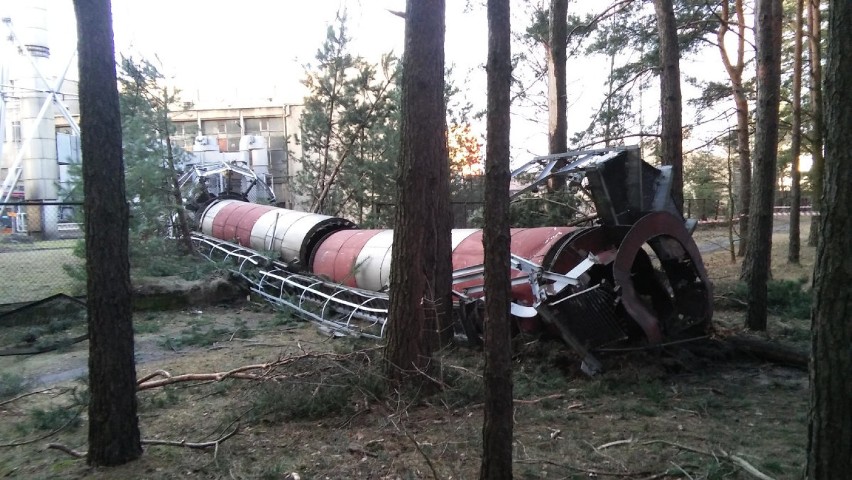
(29, 170)
(39, 135)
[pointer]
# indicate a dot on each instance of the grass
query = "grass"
(789, 299)
(321, 417)
(30, 275)
(55, 418)
(12, 384)
(283, 318)
(166, 397)
(196, 336)
(275, 402)
(147, 326)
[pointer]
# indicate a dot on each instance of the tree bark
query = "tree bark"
(735, 73)
(422, 235)
(497, 425)
(671, 132)
(794, 247)
(113, 424)
(829, 435)
(557, 58)
(817, 174)
(557, 96)
(756, 264)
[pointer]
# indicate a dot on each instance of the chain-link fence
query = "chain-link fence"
(37, 251)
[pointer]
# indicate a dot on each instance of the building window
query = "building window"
(186, 128)
(209, 127)
(16, 132)
(233, 144)
(253, 126)
(274, 124)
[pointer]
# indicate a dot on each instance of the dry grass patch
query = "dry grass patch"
(327, 414)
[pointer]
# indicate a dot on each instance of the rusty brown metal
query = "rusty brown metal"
(690, 289)
(636, 274)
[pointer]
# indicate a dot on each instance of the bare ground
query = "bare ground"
(322, 412)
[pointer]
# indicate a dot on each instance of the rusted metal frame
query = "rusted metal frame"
(281, 279)
(554, 158)
(652, 225)
(591, 366)
(357, 310)
(228, 251)
(586, 160)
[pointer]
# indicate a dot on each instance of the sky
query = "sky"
(231, 49)
(246, 51)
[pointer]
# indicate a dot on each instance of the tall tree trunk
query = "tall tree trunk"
(829, 432)
(497, 426)
(557, 96)
(113, 424)
(817, 174)
(794, 248)
(756, 265)
(671, 132)
(735, 73)
(557, 105)
(419, 243)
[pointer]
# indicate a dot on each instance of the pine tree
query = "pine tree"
(349, 129)
(114, 437)
(152, 161)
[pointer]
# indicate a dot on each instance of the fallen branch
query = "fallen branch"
(24, 395)
(423, 454)
(613, 444)
(194, 445)
(26, 442)
(158, 373)
(734, 459)
(770, 351)
(749, 467)
(217, 377)
(168, 443)
(63, 448)
(602, 473)
(148, 381)
(555, 396)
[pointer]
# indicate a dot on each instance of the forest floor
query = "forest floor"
(321, 410)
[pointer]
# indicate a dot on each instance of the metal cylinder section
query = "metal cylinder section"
(650, 272)
(362, 258)
(292, 235)
(334, 249)
(533, 244)
(355, 258)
